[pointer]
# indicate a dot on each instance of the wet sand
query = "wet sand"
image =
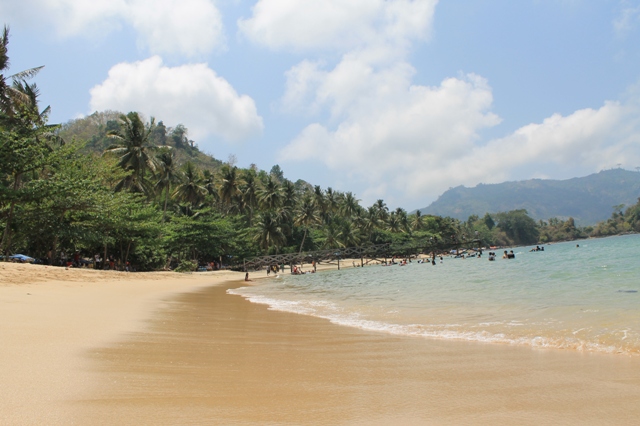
(207, 357)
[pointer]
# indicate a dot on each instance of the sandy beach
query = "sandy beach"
(88, 347)
(50, 317)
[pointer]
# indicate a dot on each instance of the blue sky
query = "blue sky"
(392, 99)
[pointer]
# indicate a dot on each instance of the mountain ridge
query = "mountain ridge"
(587, 199)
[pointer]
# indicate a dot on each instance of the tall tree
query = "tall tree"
(417, 223)
(306, 216)
(249, 189)
(270, 195)
(134, 148)
(349, 205)
(229, 189)
(269, 232)
(167, 175)
(190, 189)
(10, 96)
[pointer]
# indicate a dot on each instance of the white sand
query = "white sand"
(50, 317)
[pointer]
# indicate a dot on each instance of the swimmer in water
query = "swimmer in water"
(246, 277)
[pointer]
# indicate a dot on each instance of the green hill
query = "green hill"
(93, 131)
(587, 199)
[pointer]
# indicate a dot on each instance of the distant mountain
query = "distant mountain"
(587, 199)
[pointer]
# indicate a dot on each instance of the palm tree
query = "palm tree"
(331, 198)
(382, 209)
(190, 190)
(348, 235)
(349, 205)
(270, 195)
(393, 223)
(249, 190)
(289, 195)
(168, 174)
(26, 113)
(416, 222)
(134, 146)
(319, 201)
(331, 236)
(269, 231)
(20, 113)
(10, 97)
(370, 222)
(306, 216)
(229, 188)
(401, 214)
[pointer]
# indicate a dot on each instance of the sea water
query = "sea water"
(582, 298)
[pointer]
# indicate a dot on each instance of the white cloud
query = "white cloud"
(189, 94)
(418, 141)
(337, 24)
(626, 21)
(389, 128)
(187, 27)
(583, 142)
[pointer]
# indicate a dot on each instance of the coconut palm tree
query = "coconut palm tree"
(270, 195)
(229, 189)
(190, 190)
(269, 232)
(331, 200)
(289, 195)
(393, 223)
(401, 214)
(349, 205)
(249, 188)
(306, 216)
(417, 223)
(370, 222)
(134, 147)
(10, 96)
(348, 235)
(382, 210)
(331, 236)
(168, 174)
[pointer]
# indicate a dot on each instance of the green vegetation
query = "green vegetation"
(141, 193)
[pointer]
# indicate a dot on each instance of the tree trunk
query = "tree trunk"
(166, 199)
(104, 259)
(126, 257)
(6, 237)
(302, 244)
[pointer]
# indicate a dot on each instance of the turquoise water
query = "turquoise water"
(585, 298)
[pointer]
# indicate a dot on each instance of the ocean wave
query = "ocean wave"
(337, 315)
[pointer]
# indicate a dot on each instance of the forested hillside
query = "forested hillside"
(587, 199)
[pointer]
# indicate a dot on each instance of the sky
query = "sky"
(392, 99)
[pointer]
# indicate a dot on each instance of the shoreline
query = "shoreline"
(214, 357)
